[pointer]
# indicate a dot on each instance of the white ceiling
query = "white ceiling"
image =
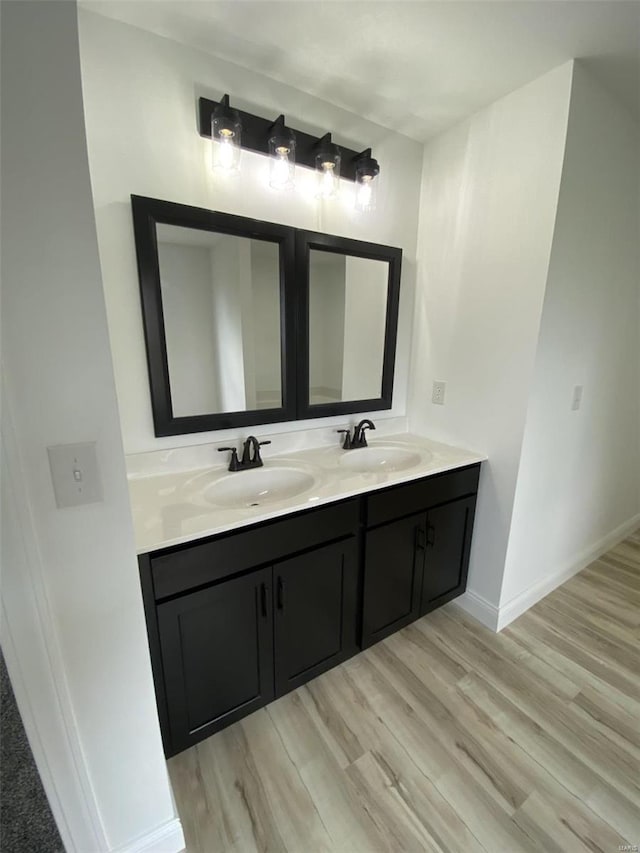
(414, 66)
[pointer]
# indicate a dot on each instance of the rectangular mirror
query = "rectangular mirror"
(221, 308)
(250, 322)
(348, 315)
(214, 295)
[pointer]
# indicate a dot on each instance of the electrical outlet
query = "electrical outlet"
(437, 395)
(75, 475)
(576, 400)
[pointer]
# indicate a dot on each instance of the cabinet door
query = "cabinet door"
(392, 577)
(449, 529)
(217, 656)
(315, 600)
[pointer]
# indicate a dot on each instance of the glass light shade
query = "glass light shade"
(366, 191)
(367, 171)
(282, 166)
(328, 171)
(226, 134)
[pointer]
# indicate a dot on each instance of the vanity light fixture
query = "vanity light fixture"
(282, 155)
(226, 132)
(328, 160)
(367, 170)
(233, 129)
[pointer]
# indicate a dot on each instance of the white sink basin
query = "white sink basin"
(381, 459)
(258, 487)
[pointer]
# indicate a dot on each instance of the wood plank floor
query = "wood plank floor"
(445, 737)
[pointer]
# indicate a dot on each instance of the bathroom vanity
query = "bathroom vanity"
(247, 599)
(255, 581)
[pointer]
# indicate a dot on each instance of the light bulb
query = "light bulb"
(327, 168)
(282, 156)
(328, 181)
(363, 198)
(226, 133)
(367, 170)
(280, 173)
(226, 154)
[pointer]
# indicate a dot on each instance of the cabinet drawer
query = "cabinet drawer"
(247, 548)
(408, 498)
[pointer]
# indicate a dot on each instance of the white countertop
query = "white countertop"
(170, 508)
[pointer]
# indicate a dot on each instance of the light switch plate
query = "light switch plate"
(75, 474)
(576, 399)
(437, 395)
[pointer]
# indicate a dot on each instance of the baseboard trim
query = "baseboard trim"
(167, 838)
(478, 607)
(522, 602)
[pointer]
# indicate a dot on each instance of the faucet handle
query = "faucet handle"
(233, 462)
(346, 444)
(256, 454)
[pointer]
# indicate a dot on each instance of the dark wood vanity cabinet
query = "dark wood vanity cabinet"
(242, 618)
(229, 649)
(446, 553)
(315, 612)
(217, 656)
(392, 577)
(416, 549)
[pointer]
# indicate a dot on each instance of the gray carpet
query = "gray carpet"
(26, 822)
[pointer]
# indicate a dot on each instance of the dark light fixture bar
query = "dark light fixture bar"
(256, 132)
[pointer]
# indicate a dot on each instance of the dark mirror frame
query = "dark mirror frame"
(305, 242)
(294, 247)
(146, 213)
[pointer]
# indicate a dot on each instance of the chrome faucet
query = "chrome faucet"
(250, 455)
(358, 439)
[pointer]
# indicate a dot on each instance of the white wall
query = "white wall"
(265, 313)
(141, 95)
(187, 307)
(73, 619)
(326, 326)
(365, 312)
(230, 263)
(489, 194)
(333, 326)
(244, 284)
(579, 474)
